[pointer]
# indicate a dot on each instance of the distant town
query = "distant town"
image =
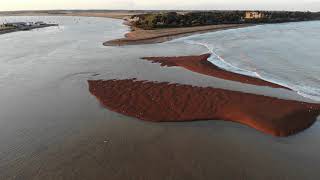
(22, 26)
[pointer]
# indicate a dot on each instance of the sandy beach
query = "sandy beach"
(140, 36)
(136, 35)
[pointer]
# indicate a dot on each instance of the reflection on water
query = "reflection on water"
(52, 128)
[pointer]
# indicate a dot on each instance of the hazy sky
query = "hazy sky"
(312, 5)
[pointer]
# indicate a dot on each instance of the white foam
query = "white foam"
(221, 63)
(305, 91)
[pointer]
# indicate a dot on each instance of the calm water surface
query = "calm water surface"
(52, 128)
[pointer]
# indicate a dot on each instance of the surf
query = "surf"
(304, 91)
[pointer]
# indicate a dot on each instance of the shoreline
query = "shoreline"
(139, 36)
(111, 14)
(142, 99)
(55, 124)
(29, 28)
(267, 114)
(201, 65)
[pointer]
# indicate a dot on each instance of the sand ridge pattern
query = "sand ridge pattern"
(164, 102)
(200, 64)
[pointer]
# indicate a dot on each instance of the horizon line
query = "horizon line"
(154, 10)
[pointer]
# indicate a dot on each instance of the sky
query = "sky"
(302, 5)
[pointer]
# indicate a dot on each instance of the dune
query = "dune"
(164, 102)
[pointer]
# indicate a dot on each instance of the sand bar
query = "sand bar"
(140, 36)
(164, 102)
(201, 65)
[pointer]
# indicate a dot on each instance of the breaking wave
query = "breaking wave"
(305, 91)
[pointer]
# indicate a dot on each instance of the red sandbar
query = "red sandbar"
(201, 65)
(163, 102)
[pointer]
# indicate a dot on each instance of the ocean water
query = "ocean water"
(287, 54)
(51, 127)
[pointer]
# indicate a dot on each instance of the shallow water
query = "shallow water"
(287, 54)
(51, 127)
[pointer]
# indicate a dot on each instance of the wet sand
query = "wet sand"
(140, 36)
(201, 65)
(164, 102)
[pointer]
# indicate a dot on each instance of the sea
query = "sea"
(51, 127)
(286, 54)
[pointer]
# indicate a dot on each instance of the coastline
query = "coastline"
(111, 14)
(29, 28)
(8, 31)
(201, 65)
(139, 36)
(52, 127)
(136, 36)
(183, 103)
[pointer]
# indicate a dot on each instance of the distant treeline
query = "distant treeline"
(190, 19)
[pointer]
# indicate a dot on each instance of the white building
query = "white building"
(254, 15)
